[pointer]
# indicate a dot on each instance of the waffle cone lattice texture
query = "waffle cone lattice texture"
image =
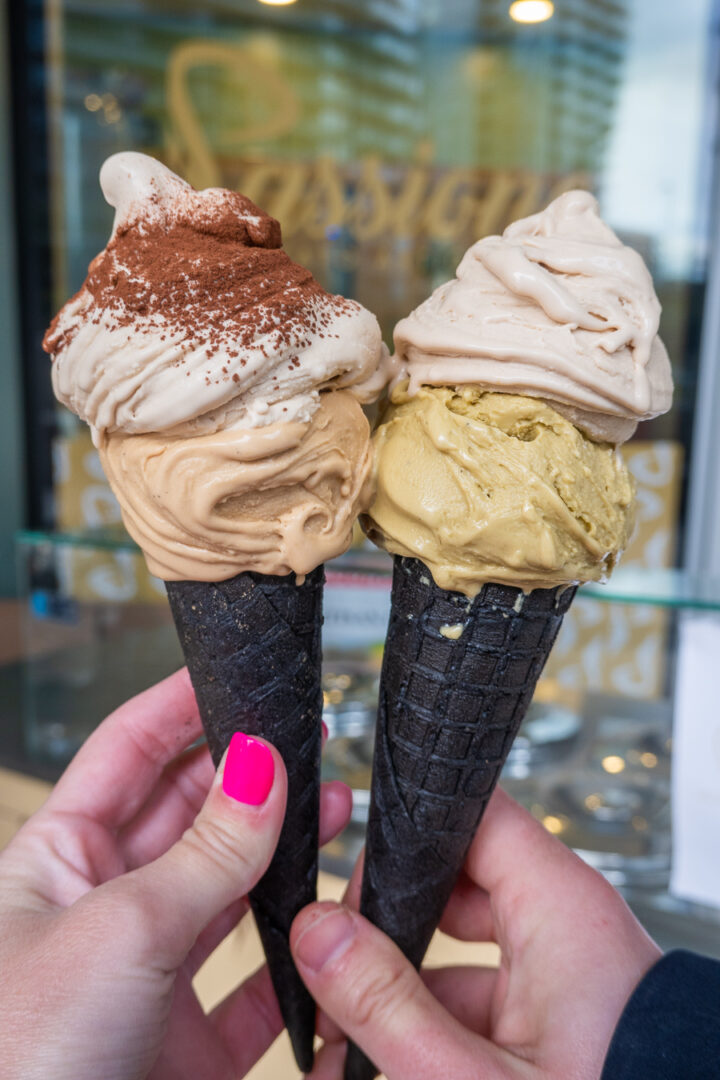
(252, 646)
(450, 707)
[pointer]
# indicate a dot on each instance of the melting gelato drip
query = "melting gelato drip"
(193, 319)
(496, 487)
(277, 499)
(556, 308)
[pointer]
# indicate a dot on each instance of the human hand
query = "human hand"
(118, 889)
(571, 955)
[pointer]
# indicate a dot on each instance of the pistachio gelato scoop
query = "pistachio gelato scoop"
(485, 486)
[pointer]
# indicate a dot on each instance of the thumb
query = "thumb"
(365, 984)
(218, 859)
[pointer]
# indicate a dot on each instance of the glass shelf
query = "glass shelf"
(111, 538)
(668, 588)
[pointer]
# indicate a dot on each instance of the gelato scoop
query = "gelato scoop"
(557, 308)
(194, 318)
(276, 499)
(497, 487)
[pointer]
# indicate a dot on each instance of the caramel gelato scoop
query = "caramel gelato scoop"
(222, 384)
(277, 499)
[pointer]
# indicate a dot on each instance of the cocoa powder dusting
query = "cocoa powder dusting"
(215, 274)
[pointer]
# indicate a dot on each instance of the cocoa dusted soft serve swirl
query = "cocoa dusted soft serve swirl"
(221, 382)
(194, 318)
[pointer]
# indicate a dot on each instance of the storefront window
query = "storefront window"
(388, 136)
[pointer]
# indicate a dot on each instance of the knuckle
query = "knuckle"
(218, 844)
(383, 992)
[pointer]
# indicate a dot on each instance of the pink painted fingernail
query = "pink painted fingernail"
(249, 770)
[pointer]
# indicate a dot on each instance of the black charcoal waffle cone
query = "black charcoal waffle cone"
(252, 646)
(449, 710)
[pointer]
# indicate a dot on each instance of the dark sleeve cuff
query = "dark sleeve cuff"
(670, 1028)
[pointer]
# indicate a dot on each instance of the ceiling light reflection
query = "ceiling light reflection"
(532, 11)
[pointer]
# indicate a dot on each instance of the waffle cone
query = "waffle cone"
(252, 646)
(458, 676)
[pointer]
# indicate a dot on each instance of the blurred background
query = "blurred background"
(387, 137)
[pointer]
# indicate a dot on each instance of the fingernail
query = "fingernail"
(249, 770)
(325, 939)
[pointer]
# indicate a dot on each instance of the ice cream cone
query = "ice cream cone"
(252, 646)
(498, 489)
(458, 676)
(223, 387)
